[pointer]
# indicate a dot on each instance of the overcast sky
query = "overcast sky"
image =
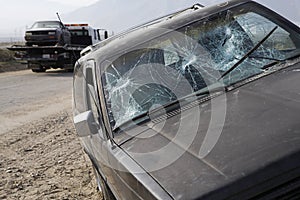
(15, 15)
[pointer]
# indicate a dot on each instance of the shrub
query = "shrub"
(6, 55)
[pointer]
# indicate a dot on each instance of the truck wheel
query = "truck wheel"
(102, 186)
(38, 70)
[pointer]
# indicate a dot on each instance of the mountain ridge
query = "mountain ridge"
(117, 15)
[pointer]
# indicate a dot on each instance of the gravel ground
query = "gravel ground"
(44, 160)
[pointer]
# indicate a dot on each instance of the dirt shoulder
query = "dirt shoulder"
(44, 160)
(9, 66)
(7, 60)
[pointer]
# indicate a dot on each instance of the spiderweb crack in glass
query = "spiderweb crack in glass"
(189, 59)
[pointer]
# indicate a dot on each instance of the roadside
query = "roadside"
(12, 66)
(7, 60)
(44, 160)
(27, 96)
(40, 154)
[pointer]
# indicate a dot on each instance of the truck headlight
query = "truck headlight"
(28, 33)
(51, 33)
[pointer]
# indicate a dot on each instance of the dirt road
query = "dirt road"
(27, 96)
(40, 155)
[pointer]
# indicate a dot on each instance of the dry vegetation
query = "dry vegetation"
(8, 62)
(6, 55)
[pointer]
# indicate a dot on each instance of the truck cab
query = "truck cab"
(83, 34)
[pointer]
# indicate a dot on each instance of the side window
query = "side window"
(78, 91)
(91, 94)
(91, 97)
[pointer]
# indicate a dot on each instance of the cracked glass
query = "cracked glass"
(191, 58)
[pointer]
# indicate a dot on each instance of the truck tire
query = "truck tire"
(103, 187)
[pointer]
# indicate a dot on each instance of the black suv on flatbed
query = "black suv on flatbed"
(47, 33)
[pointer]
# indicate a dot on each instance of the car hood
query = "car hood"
(247, 140)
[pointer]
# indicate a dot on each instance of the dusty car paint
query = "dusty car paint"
(154, 131)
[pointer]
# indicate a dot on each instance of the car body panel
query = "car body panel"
(261, 128)
(40, 35)
(238, 142)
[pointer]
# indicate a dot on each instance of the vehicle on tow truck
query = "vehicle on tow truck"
(47, 33)
(51, 44)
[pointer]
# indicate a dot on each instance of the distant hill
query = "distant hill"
(118, 15)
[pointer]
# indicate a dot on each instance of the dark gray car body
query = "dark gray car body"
(256, 156)
(47, 33)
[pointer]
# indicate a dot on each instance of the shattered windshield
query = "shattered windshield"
(187, 60)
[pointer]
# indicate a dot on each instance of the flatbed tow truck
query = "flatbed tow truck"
(40, 57)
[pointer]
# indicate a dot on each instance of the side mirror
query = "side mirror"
(85, 124)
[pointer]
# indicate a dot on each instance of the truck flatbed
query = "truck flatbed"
(65, 47)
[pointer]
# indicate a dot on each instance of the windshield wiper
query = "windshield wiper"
(266, 58)
(279, 61)
(169, 107)
(249, 53)
(144, 116)
(136, 120)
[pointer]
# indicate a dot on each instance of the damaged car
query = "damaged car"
(203, 103)
(47, 33)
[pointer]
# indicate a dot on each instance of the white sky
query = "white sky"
(15, 15)
(76, 3)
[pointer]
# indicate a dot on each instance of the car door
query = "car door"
(98, 139)
(87, 115)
